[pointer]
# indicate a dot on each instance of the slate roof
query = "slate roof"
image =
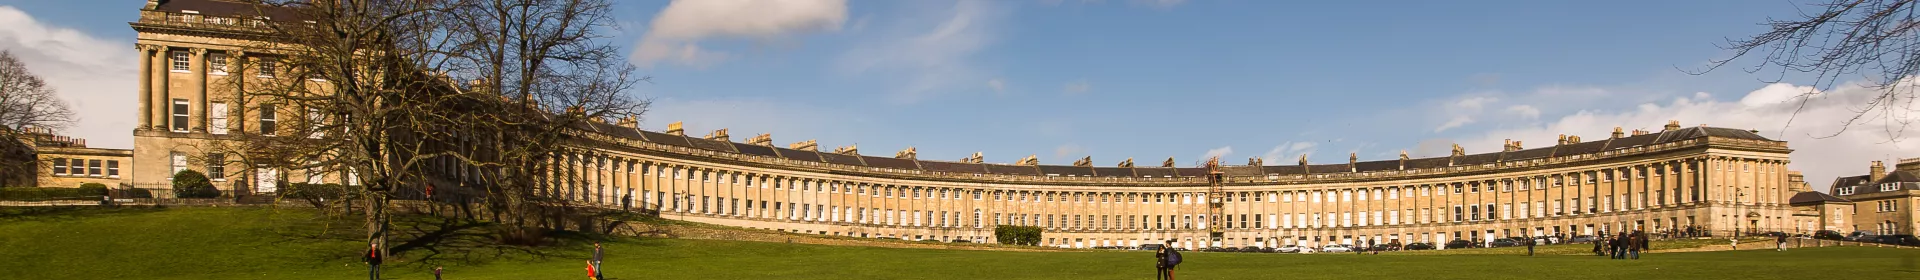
(954, 167)
(1378, 165)
(1284, 169)
(1156, 172)
(887, 162)
(1113, 171)
(798, 154)
(841, 159)
(668, 139)
(1809, 198)
(222, 8)
(1066, 170)
(757, 150)
(711, 145)
(1012, 169)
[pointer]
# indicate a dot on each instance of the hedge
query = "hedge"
(38, 194)
(1018, 235)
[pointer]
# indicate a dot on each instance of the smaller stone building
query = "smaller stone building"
(66, 162)
(1883, 200)
(1815, 211)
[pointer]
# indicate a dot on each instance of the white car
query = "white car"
(1290, 249)
(1336, 248)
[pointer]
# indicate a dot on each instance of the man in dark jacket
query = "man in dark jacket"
(1529, 242)
(372, 258)
(1173, 260)
(599, 272)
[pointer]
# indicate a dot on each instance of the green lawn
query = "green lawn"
(254, 243)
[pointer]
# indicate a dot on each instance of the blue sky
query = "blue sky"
(1063, 79)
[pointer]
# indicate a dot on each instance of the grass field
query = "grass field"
(254, 243)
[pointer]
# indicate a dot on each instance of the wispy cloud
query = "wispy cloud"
(1076, 87)
(930, 51)
(677, 32)
(1221, 152)
(95, 75)
(1767, 109)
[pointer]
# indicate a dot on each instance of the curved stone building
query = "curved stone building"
(1717, 179)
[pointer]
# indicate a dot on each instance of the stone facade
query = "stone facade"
(66, 162)
(1883, 200)
(1716, 178)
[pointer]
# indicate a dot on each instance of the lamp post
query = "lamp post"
(1739, 217)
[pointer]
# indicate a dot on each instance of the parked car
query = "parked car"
(1862, 236)
(1461, 243)
(1504, 242)
(1151, 247)
(1581, 239)
(1902, 240)
(1288, 249)
(1336, 248)
(1383, 247)
(1829, 235)
(1419, 246)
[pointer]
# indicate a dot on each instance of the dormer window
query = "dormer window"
(1887, 187)
(1847, 190)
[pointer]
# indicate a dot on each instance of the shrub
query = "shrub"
(1018, 235)
(192, 184)
(93, 189)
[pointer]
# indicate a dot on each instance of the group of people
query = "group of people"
(1164, 260)
(1621, 246)
(373, 258)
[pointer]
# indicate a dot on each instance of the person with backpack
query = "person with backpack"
(1529, 247)
(1173, 260)
(372, 258)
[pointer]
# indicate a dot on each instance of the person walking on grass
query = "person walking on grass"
(436, 273)
(1160, 263)
(598, 272)
(1173, 260)
(372, 258)
(1780, 243)
(1733, 242)
(1530, 247)
(1634, 242)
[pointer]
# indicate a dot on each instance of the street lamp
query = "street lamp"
(1739, 217)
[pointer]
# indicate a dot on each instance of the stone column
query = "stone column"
(198, 119)
(146, 86)
(161, 97)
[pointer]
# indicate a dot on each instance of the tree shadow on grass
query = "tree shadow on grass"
(62, 213)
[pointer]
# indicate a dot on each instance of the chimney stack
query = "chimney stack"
(1876, 172)
(1672, 125)
(909, 153)
(1084, 162)
(764, 139)
(629, 122)
(851, 150)
(674, 129)
(1617, 133)
(719, 135)
(1563, 139)
(808, 145)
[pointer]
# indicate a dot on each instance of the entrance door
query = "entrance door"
(266, 180)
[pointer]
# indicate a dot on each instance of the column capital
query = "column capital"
(198, 51)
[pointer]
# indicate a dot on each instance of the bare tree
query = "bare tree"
(27, 103)
(394, 96)
(1874, 41)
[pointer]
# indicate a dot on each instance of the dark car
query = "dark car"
(1504, 242)
(1902, 240)
(1383, 247)
(1419, 246)
(1461, 243)
(1151, 247)
(1862, 236)
(1252, 249)
(1581, 239)
(1829, 235)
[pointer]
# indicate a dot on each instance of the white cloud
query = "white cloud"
(1474, 103)
(1767, 109)
(96, 76)
(1525, 111)
(1076, 87)
(676, 32)
(998, 86)
(1221, 152)
(1457, 121)
(1286, 151)
(929, 51)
